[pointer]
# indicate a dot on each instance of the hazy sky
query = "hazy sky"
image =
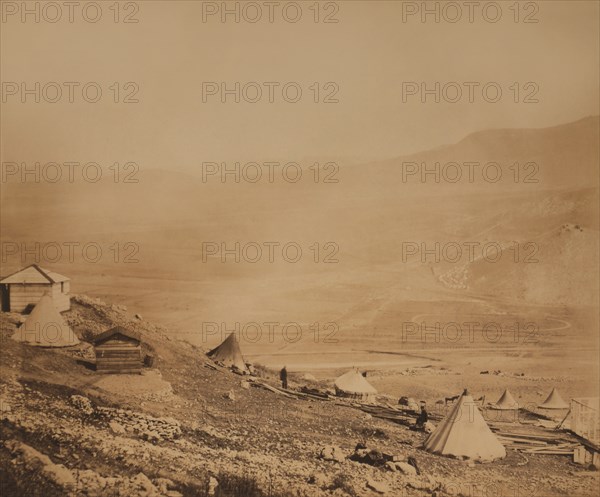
(368, 54)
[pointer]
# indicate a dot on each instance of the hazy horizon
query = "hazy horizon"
(171, 125)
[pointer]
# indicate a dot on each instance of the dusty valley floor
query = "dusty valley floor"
(190, 427)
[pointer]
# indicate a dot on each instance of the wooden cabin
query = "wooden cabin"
(118, 351)
(22, 290)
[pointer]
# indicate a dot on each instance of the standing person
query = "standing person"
(423, 417)
(283, 377)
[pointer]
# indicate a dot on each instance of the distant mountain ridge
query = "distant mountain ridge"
(369, 214)
(566, 155)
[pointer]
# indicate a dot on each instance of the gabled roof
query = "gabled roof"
(34, 274)
(45, 327)
(117, 330)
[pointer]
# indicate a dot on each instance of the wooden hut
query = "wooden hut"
(118, 351)
(22, 290)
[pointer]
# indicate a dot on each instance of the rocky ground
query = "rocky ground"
(68, 431)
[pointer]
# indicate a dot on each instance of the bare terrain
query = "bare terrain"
(192, 426)
(421, 328)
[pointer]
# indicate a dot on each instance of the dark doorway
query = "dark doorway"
(5, 297)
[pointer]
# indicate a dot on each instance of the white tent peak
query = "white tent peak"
(45, 327)
(229, 353)
(554, 401)
(354, 384)
(506, 402)
(465, 434)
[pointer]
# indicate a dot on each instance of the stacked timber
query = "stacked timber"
(289, 393)
(538, 443)
(118, 351)
(398, 415)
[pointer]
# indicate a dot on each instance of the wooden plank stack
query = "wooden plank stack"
(538, 443)
(289, 393)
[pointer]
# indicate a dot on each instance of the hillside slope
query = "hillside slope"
(67, 429)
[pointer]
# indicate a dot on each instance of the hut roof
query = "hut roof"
(117, 330)
(33, 274)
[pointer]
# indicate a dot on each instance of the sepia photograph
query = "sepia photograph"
(300, 248)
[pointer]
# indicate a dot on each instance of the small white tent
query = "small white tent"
(45, 327)
(354, 385)
(465, 434)
(506, 402)
(229, 354)
(554, 401)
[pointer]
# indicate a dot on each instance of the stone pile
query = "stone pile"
(147, 427)
(86, 482)
(83, 404)
(332, 453)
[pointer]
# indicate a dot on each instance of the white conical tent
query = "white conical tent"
(506, 402)
(45, 327)
(465, 434)
(229, 353)
(353, 384)
(554, 401)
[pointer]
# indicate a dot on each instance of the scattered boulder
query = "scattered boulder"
(318, 479)
(117, 428)
(428, 427)
(143, 482)
(230, 395)
(145, 426)
(36, 462)
(413, 462)
(245, 384)
(406, 468)
(213, 483)
(372, 457)
(378, 486)
(332, 453)
(4, 405)
(429, 484)
(83, 404)
(60, 475)
(164, 485)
